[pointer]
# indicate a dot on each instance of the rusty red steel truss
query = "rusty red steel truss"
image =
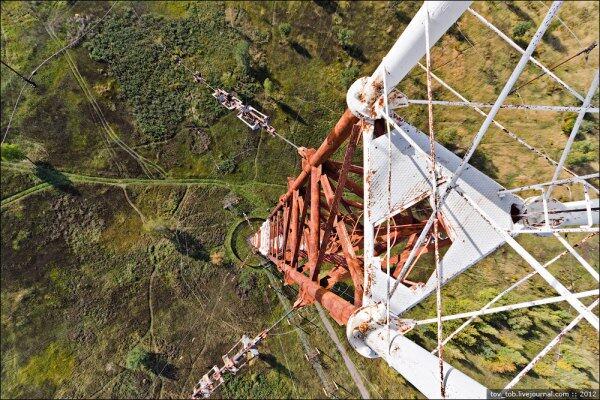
(316, 235)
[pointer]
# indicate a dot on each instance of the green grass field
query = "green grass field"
(104, 256)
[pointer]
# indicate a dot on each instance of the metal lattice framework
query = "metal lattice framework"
(365, 224)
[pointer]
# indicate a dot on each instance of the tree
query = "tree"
(349, 75)
(137, 358)
(582, 153)
(520, 324)
(242, 56)
(12, 153)
(568, 123)
(345, 36)
(269, 87)
(588, 125)
(285, 29)
(521, 28)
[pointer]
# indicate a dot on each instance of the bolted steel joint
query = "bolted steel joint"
(362, 322)
(368, 321)
(361, 98)
(365, 99)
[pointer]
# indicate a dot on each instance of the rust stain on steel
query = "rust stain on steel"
(305, 223)
(377, 87)
(363, 327)
(370, 278)
(370, 176)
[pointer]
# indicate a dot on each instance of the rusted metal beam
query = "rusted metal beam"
(286, 222)
(314, 229)
(352, 203)
(336, 165)
(350, 184)
(354, 264)
(271, 239)
(303, 204)
(335, 259)
(335, 138)
(339, 309)
(335, 275)
(401, 258)
(333, 205)
(294, 227)
(286, 229)
(276, 246)
(397, 233)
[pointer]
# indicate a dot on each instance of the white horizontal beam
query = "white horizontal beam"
(510, 307)
(538, 186)
(527, 107)
(544, 232)
(544, 273)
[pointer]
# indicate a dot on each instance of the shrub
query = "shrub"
(336, 19)
(216, 258)
(488, 353)
(488, 330)
(568, 123)
(587, 127)
(506, 361)
(265, 385)
(228, 80)
(544, 369)
(521, 28)
(344, 37)
(285, 29)
(156, 89)
(554, 318)
(226, 166)
(448, 138)
(468, 337)
(490, 76)
(572, 356)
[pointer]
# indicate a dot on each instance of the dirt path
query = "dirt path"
(257, 155)
(25, 193)
(121, 182)
(150, 168)
(137, 210)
